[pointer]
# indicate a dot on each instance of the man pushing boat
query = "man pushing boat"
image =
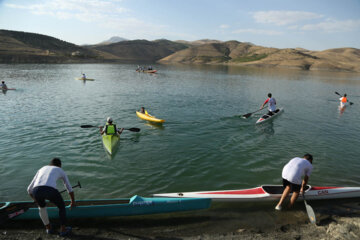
(292, 173)
(43, 187)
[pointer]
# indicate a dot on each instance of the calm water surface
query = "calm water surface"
(204, 144)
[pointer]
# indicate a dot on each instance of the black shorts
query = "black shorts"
(293, 187)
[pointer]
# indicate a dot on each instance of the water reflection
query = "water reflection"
(266, 128)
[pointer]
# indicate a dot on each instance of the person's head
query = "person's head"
(2, 81)
(269, 94)
(345, 95)
(55, 162)
(109, 120)
(142, 109)
(308, 157)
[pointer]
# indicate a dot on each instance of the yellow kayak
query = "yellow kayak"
(85, 79)
(149, 118)
(110, 142)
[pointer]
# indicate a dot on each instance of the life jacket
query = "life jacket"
(110, 129)
(343, 99)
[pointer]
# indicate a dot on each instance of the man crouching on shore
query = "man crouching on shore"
(292, 173)
(43, 186)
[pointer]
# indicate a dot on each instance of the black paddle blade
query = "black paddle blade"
(87, 126)
(134, 129)
(247, 115)
(351, 103)
(338, 93)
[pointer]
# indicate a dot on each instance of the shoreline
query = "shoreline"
(335, 220)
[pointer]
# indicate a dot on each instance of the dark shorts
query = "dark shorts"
(293, 187)
(43, 193)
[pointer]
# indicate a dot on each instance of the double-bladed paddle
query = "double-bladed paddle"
(249, 114)
(351, 103)
(310, 211)
(15, 209)
(129, 129)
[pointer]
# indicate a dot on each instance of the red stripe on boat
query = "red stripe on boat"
(322, 188)
(258, 190)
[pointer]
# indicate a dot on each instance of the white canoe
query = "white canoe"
(266, 117)
(267, 193)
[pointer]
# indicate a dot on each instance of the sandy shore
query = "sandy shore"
(335, 220)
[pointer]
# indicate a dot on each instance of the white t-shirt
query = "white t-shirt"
(295, 169)
(48, 176)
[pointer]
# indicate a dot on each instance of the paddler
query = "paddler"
(271, 104)
(3, 85)
(83, 76)
(110, 128)
(43, 187)
(292, 173)
(343, 101)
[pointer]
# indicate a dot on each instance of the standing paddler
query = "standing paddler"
(292, 175)
(43, 187)
(343, 101)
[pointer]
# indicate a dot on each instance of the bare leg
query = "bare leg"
(294, 196)
(283, 196)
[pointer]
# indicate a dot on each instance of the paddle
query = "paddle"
(351, 103)
(16, 209)
(249, 114)
(129, 129)
(310, 211)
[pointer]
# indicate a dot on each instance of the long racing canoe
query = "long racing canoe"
(110, 208)
(267, 193)
(85, 79)
(266, 117)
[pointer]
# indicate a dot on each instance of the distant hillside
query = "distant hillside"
(112, 40)
(22, 47)
(198, 42)
(141, 50)
(246, 54)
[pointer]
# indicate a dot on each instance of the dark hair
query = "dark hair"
(345, 95)
(269, 95)
(308, 156)
(55, 162)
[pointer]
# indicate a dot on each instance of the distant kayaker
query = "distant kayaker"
(142, 110)
(292, 175)
(83, 76)
(43, 187)
(3, 85)
(110, 128)
(343, 101)
(271, 104)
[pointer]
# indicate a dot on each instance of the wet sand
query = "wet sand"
(335, 220)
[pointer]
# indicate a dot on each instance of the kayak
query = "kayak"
(147, 71)
(267, 117)
(148, 117)
(105, 207)
(268, 193)
(7, 89)
(110, 142)
(85, 79)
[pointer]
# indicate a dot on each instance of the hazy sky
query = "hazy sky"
(310, 24)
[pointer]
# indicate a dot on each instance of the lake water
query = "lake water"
(204, 143)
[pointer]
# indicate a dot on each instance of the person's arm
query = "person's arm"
(72, 197)
(266, 101)
(304, 183)
(31, 186)
(120, 131)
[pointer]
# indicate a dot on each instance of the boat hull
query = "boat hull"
(147, 71)
(268, 193)
(85, 79)
(265, 117)
(119, 207)
(149, 118)
(110, 142)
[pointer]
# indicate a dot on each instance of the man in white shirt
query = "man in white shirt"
(272, 104)
(43, 187)
(292, 175)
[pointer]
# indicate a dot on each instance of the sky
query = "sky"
(309, 24)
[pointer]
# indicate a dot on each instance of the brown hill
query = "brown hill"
(141, 50)
(22, 47)
(245, 54)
